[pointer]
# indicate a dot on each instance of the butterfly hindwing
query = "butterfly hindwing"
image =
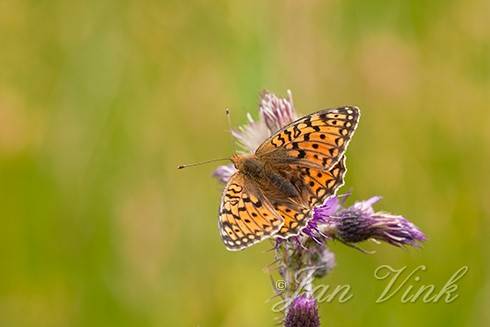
(316, 186)
(319, 185)
(318, 140)
(295, 216)
(245, 215)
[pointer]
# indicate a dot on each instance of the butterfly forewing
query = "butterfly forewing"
(245, 215)
(317, 140)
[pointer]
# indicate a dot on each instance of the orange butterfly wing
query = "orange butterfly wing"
(317, 185)
(317, 140)
(246, 217)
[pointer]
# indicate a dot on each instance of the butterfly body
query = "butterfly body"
(264, 175)
(275, 189)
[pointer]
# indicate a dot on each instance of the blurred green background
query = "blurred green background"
(100, 100)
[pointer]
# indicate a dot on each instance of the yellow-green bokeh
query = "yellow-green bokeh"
(100, 100)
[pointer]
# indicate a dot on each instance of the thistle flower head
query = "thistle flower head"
(303, 312)
(360, 222)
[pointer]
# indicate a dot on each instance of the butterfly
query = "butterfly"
(274, 190)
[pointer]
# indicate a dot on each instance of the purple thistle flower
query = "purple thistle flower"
(360, 222)
(320, 217)
(301, 258)
(277, 112)
(274, 113)
(252, 134)
(303, 312)
(224, 172)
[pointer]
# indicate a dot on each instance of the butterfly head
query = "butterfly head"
(240, 160)
(237, 160)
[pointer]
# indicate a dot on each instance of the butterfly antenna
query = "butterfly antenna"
(230, 129)
(200, 163)
(228, 117)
